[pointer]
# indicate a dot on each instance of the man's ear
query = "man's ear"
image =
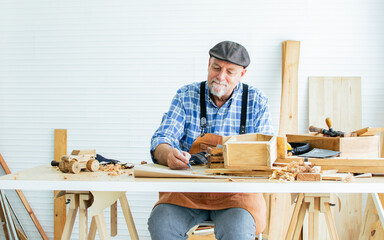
(243, 72)
(209, 62)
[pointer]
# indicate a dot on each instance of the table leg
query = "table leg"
(300, 220)
(71, 216)
(92, 230)
(330, 222)
(83, 216)
(295, 214)
(101, 226)
(128, 217)
(313, 220)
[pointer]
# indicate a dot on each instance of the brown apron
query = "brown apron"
(252, 202)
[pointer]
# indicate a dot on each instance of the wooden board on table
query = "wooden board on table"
(156, 170)
(338, 98)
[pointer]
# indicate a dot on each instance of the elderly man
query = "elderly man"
(204, 112)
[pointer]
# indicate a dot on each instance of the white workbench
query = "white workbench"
(49, 178)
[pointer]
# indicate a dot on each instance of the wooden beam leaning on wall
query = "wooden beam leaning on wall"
(60, 209)
(280, 208)
(25, 202)
(289, 90)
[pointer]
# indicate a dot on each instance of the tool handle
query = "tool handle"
(315, 129)
(54, 163)
(328, 122)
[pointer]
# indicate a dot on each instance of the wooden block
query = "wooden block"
(309, 177)
(84, 152)
(215, 151)
(216, 159)
(336, 176)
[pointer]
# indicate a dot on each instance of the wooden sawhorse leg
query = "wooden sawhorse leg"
(79, 201)
(314, 204)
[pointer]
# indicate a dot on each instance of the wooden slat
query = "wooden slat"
(289, 92)
(338, 98)
(25, 202)
(60, 210)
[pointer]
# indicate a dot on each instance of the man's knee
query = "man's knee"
(234, 223)
(166, 220)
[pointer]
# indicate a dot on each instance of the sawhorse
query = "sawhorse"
(81, 201)
(314, 203)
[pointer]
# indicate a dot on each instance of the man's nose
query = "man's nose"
(221, 76)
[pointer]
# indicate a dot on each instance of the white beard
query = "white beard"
(218, 88)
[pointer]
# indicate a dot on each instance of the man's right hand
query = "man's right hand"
(171, 157)
(176, 160)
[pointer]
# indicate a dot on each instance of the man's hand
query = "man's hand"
(171, 157)
(176, 160)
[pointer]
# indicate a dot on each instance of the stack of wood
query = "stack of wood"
(215, 157)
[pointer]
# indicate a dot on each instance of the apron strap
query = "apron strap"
(203, 109)
(244, 102)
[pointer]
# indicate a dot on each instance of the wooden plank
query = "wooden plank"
(338, 98)
(289, 91)
(280, 214)
(25, 202)
(309, 177)
(60, 209)
(370, 217)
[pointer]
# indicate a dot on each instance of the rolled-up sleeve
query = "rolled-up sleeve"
(172, 125)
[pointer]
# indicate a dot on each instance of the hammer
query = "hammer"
(330, 132)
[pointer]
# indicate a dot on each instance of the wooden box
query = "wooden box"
(352, 147)
(249, 151)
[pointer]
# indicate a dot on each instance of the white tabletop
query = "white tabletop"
(49, 178)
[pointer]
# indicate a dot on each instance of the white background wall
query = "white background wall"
(107, 70)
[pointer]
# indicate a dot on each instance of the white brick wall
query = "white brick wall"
(107, 70)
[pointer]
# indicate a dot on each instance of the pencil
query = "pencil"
(178, 148)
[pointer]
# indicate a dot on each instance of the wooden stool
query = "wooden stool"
(81, 201)
(314, 203)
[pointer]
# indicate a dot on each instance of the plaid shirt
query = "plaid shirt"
(181, 124)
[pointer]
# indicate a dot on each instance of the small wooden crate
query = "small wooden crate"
(249, 151)
(353, 147)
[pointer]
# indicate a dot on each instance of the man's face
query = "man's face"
(223, 77)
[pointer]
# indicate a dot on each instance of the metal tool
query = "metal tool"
(330, 132)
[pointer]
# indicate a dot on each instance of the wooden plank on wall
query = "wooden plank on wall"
(60, 209)
(338, 98)
(289, 91)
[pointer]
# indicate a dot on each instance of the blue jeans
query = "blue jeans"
(171, 222)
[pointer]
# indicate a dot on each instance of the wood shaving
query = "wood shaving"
(143, 162)
(112, 169)
(289, 172)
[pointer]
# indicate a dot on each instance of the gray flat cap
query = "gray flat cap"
(231, 52)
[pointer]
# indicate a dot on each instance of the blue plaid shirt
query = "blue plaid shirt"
(181, 124)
